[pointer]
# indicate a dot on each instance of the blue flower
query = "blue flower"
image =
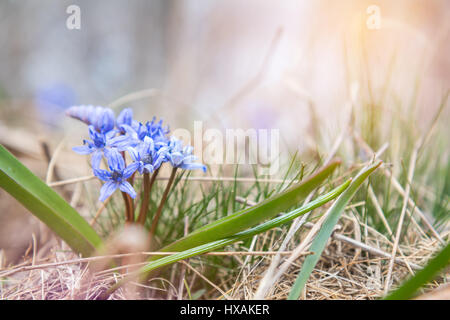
(52, 100)
(125, 121)
(154, 130)
(148, 155)
(181, 156)
(100, 143)
(102, 119)
(117, 177)
(56, 95)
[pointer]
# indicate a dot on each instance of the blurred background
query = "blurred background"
(251, 61)
(286, 65)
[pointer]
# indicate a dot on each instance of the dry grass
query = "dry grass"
(343, 272)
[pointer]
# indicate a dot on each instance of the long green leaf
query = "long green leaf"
(249, 217)
(276, 222)
(324, 233)
(46, 204)
(409, 288)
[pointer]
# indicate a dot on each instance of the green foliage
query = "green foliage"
(46, 205)
(409, 288)
(248, 217)
(325, 231)
(217, 244)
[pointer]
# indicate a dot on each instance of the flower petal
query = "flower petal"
(83, 150)
(102, 174)
(126, 187)
(105, 122)
(133, 154)
(176, 158)
(80, 112)
(158, 161)
(193, 166)
(115, 160)
(149, 168)
(130, 170)
(125, 117)
(190, 158)
(122, 142)
(92, 132)
(96, 159)
(129, 131)
(107, 190)
(148, 145)
(109, 135)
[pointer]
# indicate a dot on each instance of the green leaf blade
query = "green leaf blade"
(214, 245)
(409, 288)
(46, 205)
(326, 230)
(249, 217)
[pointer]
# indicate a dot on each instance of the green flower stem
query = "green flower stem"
(161, 204)
(148, 185)
(129, 214)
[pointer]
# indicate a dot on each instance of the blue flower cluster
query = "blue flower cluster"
(148, 145)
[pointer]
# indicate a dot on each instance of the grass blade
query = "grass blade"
(409, 288)
(204, 248)
(324, 233)
(249, 217)
(46, 204)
